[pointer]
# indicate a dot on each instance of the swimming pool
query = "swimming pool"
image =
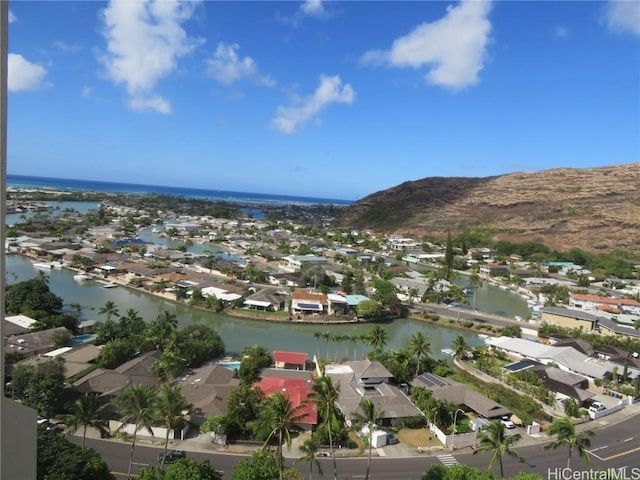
(233, 365)
(87, 337)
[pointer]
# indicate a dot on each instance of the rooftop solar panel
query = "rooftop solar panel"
(431, 380)
(309, 306)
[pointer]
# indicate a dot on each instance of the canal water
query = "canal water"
(235, 332)
(238, 333)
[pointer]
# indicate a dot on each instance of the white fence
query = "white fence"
(452, 441)
(158, 432)
(606, 411)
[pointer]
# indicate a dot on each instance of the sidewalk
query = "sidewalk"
(202, 443)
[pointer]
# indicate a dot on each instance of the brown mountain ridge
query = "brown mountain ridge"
(597, 209)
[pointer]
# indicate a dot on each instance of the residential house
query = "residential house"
(17, 325)
(466, 398)
(297, 262)
(594, 302)
(268, 299)
(494, 270)
(308, 303)
(207, 391)
(287, 280)
(33, 343)
(567, 318)
(566, 358)
(290, 360)
(370, 379)
(609, 327)
(295, 385)
(562, 382)
(109, 383)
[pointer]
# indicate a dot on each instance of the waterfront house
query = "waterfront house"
(290, 360)
(269, 299)
(308, 303)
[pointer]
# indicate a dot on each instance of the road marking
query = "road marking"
(599, 448)
(122, 474)
(590, 452)
(447, 460)
(617, 455)
(627, 439)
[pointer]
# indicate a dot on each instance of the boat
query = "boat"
(81, 277)
(448, 351)
(45, 265)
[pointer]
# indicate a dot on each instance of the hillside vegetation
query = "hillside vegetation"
(597, 209)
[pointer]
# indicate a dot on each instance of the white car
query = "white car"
(597, 407)
(507, 422)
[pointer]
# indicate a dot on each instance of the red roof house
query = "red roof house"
(296, 390)
(290, 360)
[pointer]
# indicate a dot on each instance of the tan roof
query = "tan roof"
(83, 354)
(302, 295)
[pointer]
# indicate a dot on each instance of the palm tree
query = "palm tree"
(495, 440)
(459, 347)
(110, 309)
(377, 337)
(571, 408)
(85, 412)
(164, 326)
(310, 449)
(171, 405)
(367, 416)
(565, 433)
(418, 345)
(475, 282)
(137, 406)
(42, 277)
(325, 395)
(279, 415)
(132, 322)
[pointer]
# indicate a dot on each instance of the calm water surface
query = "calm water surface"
(236, 333)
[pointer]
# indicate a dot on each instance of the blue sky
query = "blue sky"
(318, 98)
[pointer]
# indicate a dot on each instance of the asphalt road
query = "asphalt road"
(467, 314)
(612, 447)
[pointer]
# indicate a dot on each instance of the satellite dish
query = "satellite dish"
(634, 354)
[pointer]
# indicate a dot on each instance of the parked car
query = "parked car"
(172, 457)
(506, 421)
(391, 439)
(597, 407)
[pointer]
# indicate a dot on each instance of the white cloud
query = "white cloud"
(453, 47)
(331, 90)
(623, 16)
(226, 67)
(12, 17)
(87, 91)
(154, 103)
(312, 8)
(144, 42)
(67, 48)
(24, 75)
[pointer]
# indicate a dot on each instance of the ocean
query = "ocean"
(24, 181)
